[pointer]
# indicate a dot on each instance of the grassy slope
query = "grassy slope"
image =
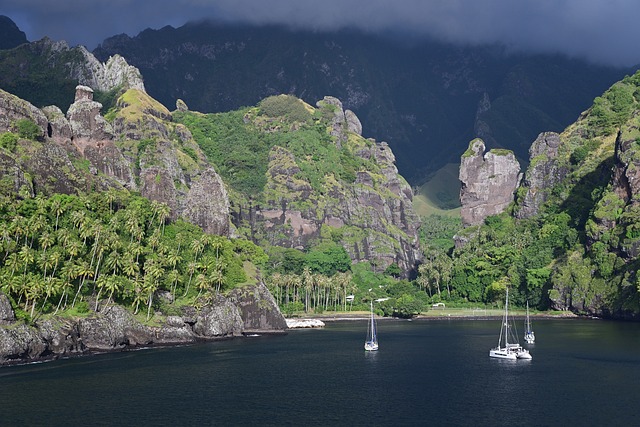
(440, 194)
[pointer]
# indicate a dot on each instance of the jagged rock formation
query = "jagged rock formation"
(343, 121)
(247, 310)
(13, 109)
(87, 70)
(543, 173)
(141, 151)
(374, 212)
(115, 72)
(412, 97)
(53, 70)
(489, 181)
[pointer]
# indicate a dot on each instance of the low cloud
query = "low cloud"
(603, 31)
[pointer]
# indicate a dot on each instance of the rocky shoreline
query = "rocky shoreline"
(245, 311)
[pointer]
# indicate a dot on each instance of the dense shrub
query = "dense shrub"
(8, 140)
(287, 106)
(28, 129)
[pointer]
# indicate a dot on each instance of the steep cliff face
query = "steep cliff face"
(141, 150)
(370, 211)
(543, 173)
(489, 181)
(46, 72)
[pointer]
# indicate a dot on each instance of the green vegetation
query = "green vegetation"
(579, 251)
(288, 107)
(63, 252)
(440, 194)
(8, 140)
(239, 144)
(28, 129)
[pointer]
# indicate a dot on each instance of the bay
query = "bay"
(427, 372)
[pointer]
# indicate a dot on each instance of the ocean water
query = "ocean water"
(427, 372)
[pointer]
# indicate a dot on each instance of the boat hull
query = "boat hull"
(524, 354)
(502, 353)
(371, 346)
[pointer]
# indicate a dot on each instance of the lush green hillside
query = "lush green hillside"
(421, 98)
(64, 252)
(579, 252)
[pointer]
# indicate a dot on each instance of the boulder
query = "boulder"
(219, 318)
(258, 309)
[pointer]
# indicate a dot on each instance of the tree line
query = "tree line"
(62, 252)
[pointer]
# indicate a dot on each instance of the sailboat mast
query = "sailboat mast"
(506, 320)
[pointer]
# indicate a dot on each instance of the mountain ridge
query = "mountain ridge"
(426, 99)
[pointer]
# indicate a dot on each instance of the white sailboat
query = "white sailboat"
(506, 350)
(371, 344)
(529, 336)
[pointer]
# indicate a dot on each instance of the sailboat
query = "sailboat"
(511, 351)
(371, 344)
(529, 336)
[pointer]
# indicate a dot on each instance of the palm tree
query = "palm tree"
(129, 266)
(202, 283)
(138, 293)
(36, 224)
(78, 218)
(69, 272)
(84, 270)
(34, 291)
(217, 277)
(308, 282)
(114, 285)
(58, 209)
(217, 244)
(163, 214)
(27, 257)
(101, 283)
(174, 279)
(14, 262)
(52, 286)
(110, 196)
(191, 268)
(153, 272)
(276, 286)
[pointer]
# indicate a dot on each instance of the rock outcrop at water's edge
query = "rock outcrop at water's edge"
(246, 310)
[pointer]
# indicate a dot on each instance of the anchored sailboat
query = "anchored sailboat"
(506, 350)
(371, 344)
(529, 336)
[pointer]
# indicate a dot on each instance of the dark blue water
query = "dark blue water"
(583, 373)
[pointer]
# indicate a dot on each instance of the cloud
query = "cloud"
(604, 31)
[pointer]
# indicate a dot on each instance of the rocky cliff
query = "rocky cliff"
(369, 208)
(249, 310)
(414, 97)
(543, 173)
(489, 181)
(140, 150)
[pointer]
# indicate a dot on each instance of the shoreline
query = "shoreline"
(440, 316)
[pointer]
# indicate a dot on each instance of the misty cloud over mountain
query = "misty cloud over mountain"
(602, 31)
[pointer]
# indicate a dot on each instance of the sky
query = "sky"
(601, 31)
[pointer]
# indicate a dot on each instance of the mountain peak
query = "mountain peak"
(10, 34)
